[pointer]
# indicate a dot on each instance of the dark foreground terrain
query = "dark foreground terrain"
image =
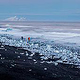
(16, 64)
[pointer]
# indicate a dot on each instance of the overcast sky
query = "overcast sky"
(54, 10)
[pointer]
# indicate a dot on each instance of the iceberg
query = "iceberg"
(7, 30)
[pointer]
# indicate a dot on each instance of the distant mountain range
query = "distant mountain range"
(15, 18)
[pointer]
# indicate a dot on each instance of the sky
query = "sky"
(41, 10)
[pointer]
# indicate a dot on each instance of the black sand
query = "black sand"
(16, 66)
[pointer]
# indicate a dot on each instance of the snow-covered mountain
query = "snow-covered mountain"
(15, 18)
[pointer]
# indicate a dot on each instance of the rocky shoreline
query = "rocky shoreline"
(19, 64)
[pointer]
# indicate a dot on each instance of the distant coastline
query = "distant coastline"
(40, 23)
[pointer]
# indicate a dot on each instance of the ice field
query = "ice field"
(60, 41)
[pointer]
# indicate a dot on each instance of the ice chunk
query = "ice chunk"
(46, 49)
(45, 68)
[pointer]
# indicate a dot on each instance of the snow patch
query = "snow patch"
(15, 18)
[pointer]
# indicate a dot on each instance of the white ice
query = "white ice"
(42, 41)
